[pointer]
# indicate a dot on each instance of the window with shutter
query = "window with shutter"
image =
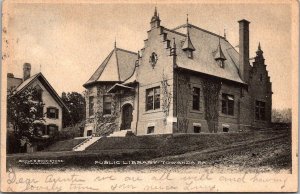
(52, 129)
(48, 112)
(52, 113)
(57, 111)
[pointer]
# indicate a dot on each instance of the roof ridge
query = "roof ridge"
(117, 64)
(53, 90)
(29, 80)
(198, 28)
(174, 31)
(33, 78)
(126, 51)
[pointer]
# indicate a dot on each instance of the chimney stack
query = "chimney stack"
(26, 71)
(244, 49)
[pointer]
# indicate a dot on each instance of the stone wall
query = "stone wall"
(242, 119)
(113, 121)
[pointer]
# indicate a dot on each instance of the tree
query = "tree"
(24, 110)
(76, 104)
(282, 115)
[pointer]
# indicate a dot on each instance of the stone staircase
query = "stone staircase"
(121, 133)
(83, 145)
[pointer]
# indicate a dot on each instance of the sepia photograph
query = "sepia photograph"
(149, 96)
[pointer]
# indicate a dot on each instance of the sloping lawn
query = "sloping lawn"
(152, 147)
(178, 143)
(66, 145)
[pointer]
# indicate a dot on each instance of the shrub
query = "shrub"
(71, 131)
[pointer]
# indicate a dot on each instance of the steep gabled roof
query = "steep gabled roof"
(24, 84)
(206, 45)
(118, 66)
(45, 83)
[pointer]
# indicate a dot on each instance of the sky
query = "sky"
(67, 42)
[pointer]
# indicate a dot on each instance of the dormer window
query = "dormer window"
(219, 56)
(221, 63)
(189, 54)
(188, 46)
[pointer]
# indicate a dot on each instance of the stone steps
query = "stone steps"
(82, 146)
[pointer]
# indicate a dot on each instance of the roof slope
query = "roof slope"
(46, 84)
(206, 44)
(13, 82)
(26, 82)
(118, 66)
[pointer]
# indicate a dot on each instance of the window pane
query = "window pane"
(262, 114)
(157, 90)
(52, 113)
(150, 129)
(196, 91)
(228, 104)
(260, 110)
(52, 129)
(149, 102)
(153, 98)
(149, 92)
(230, 98)
(224, 97)
(196, 98)
(107, 98)
(195, 102)
(197, 129)
(257, 103)
(224, 106)
(107, 104)
(230, 107)
(91, 105)
(106, 111)
(157, 101)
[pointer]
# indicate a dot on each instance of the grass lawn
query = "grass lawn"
(66, 145)
(252, 149)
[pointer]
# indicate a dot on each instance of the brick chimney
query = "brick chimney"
(26, 71)
(244, 49)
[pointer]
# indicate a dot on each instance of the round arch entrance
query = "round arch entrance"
(126, 116)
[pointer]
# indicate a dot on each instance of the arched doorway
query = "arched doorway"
(126, 116)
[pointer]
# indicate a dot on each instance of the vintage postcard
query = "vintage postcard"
(149, 96)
